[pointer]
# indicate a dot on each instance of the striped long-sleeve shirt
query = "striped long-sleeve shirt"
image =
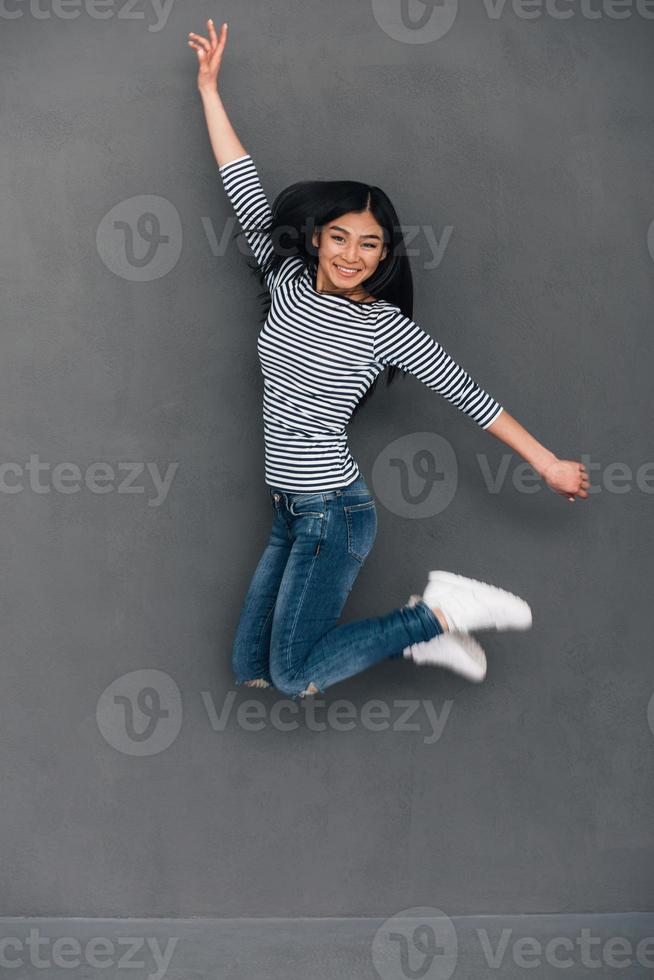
(320, 352)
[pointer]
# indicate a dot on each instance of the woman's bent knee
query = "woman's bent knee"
(292, 689)
(285, 686)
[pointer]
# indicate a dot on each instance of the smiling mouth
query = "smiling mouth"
(346, 271)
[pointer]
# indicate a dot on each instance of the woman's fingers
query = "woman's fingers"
(582, 480)
(209, 52)
(215, 40)
(218, 42)
(578, 493)
(201, 53)
(200, 40)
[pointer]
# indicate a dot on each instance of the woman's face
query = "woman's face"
(349, 250)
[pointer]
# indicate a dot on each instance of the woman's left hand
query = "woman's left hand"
(567, 477)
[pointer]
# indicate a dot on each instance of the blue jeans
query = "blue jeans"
(287, 632)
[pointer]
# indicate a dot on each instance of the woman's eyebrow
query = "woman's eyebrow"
(338, 228)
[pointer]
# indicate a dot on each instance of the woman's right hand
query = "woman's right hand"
(210, 55)
(567, 477)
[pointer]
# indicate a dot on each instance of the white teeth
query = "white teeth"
(345, 269)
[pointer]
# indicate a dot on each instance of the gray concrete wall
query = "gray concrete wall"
(136, 781)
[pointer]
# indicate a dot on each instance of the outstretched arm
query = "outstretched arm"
(400, 341)
(565, 476)
(236, 166)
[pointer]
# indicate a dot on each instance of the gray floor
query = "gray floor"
(414, 943)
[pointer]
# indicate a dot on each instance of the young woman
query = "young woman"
(333, 262)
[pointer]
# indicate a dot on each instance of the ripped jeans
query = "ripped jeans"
(287, 634)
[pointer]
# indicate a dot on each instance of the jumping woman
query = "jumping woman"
(333, 262)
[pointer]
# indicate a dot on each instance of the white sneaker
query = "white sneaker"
(472, 605)
(458, 652)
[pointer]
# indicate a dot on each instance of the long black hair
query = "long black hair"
(309, 205)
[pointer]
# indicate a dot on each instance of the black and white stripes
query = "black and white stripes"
(319, 353)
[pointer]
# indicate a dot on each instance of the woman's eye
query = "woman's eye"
(339, 238)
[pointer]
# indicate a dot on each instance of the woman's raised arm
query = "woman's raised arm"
(225, 143)
(236, 167)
